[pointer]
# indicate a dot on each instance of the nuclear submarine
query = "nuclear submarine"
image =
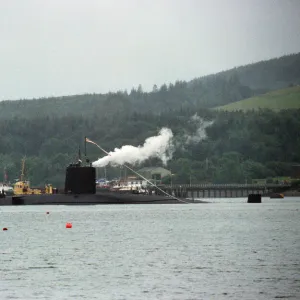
(80, 189)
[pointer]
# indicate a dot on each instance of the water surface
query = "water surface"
(224, 250)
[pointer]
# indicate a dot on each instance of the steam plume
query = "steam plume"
(159, 146)
(200, 133)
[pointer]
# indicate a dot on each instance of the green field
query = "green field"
(288, 98)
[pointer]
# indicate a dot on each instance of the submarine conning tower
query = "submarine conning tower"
(80, 179)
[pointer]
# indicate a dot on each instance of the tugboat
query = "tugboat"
(22, 186)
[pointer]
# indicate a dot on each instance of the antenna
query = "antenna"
(85, 155)
(23, 168)
(79, 155)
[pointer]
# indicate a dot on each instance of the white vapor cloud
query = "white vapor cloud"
(200, 133)
(159, 146)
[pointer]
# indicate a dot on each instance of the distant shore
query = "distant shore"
(292, 193)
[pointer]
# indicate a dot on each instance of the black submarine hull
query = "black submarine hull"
(80, 189)
(100, 198)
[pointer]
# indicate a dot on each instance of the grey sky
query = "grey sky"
(65, 47)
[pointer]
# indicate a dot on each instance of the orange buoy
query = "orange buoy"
(5, 228)
(69, 225)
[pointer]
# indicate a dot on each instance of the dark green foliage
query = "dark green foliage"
(240, 146)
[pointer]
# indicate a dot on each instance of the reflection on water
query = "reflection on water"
(224, 250)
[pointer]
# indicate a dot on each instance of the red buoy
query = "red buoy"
(69, 225)
(5, 228)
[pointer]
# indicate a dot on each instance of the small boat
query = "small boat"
(22, 186)
(276, 196)
(6, 189)
(131, 186)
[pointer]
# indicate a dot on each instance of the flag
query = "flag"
(89, 141)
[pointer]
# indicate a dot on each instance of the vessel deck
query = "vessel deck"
(88, 199)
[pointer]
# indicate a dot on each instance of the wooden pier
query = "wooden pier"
(198, 191)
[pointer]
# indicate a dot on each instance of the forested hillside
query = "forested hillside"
(205, 92)
(239, 146)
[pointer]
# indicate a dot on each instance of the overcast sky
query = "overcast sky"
(65, 47)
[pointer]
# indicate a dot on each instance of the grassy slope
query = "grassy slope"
(288, 98)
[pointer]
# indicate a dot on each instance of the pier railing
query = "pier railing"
(226, 186)
(221, 190)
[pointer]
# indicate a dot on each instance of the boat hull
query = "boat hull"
(92, 199)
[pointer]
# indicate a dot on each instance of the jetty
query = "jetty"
(198, 191)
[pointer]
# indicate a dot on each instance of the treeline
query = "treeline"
(239, 146)
(205, 92)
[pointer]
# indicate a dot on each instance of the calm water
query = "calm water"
(225, 250)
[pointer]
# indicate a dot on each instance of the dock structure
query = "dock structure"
(198, 191)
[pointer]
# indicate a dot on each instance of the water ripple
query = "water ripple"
(216, 251)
